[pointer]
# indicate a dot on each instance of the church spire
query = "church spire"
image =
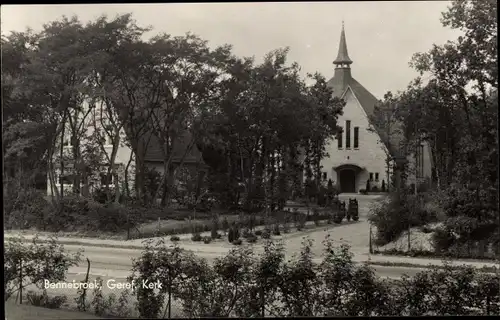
(343, 59)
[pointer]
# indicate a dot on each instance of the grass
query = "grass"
(173, 227)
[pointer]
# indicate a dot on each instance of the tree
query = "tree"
(456, 113)
(386, 122)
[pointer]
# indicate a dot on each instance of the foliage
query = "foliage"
(266, 234)
(197, 237)
(36, 262)
(158, 264)
(207, 240)
(27, 209)
(242, 284)
(252, 238)
(43, 300)
(398, 212)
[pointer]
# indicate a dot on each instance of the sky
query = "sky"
(381, 36)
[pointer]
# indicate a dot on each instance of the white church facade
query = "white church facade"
(357, 154)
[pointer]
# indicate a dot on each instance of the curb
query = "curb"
(485, 268)
(99, 245)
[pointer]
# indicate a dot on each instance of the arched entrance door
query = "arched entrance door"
(347, 179)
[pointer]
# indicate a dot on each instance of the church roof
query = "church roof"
(154, 152)
(365, 97)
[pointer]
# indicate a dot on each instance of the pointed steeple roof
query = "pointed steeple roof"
(343, 56)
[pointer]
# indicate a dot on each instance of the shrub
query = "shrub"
(237, 232)
(375, 189)
(252, 239)
(258, 232)
(396, 213)
(316, 217)
(302, 219)
(175, 238)
(230, 235)
(25, 209)
(237, 242)
(235, 285)
(207, 240)
(383, 186)
(39, 262)
(266, 234)
(246, 233)
(196, 237)
(276, 229)
(363, 191)
(215, 227)
(43, 300)
(225, 225)
(286, 228)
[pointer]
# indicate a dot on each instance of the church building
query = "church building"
(357, 154)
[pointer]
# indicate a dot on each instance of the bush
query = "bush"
(246, 233)
(43, 300)
(276, 229)
(39, 262)
(316, 217)
(237, 242)
(25, 209)
(252, 239)
(207, 240)
(258, 232)
(363, 191)
(215, 228)
(236, 233)
(225, 225)
(396, 213)
(286, 228)
(175, 238)
(196, 237)
(231, 287)
(266, 234)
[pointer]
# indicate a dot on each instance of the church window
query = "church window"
(348, 134)
(371, 176)
(376, 176)
(339, 139)
(356, 137)
(324, 175)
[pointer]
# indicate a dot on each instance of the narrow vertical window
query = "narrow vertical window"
(356, 137)
(339, 139)
(348, 134)
(371, 176)
(376, 176)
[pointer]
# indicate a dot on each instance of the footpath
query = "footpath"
(222, 248)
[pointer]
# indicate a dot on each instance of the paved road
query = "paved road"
(116, 263)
